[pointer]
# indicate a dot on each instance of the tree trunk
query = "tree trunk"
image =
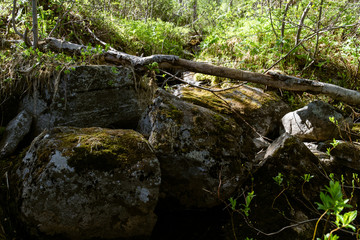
(301, 22)
(35, 23)
(195, 10)
(271, 79)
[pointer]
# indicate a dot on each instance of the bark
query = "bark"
(301, 22)
(283, 24)
(35, 23)
(270, 79)
(317, 28)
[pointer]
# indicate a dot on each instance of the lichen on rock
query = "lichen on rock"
(89, 183)
(196, 147)
(261, 110)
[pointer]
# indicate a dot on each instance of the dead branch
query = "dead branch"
(170, 61)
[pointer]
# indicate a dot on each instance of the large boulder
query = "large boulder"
(101, 96)
(15, 131)
(261, 111)
(312, 122)
(203, 155)
(89, 183)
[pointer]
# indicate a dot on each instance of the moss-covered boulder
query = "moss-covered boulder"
(203, 155)
(262, 111)
(87, 96)
(89, 183)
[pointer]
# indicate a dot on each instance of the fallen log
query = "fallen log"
(270, 79)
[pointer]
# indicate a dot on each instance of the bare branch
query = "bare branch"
(204, 88)
(60, 19)
(97, 39)
(301, 22)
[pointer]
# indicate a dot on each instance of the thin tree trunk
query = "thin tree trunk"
(301, 22)
(35, 23)
(317, 29)
(283, 24)
(195, 10)
(271, 21)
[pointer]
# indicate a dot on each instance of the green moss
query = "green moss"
(103, 149)
(222, 124)
(174, 113)
(204, 99)
(244, 100)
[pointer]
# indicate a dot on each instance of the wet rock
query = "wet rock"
(89, 183)
(262, 111)
(203, 154)
(15, 132)
(311, 123)
(101, 96)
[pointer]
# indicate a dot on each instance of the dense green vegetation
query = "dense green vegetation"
(247, 34)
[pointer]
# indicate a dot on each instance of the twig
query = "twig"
(26, 71)
(306, 39)
(7, 180)
(60, 19)
(97, 39)
(204, 88)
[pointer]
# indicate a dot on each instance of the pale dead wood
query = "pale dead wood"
(271, 79)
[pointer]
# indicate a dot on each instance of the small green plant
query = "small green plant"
(307, 177)
(333, 144)
(333, 203)
(279, 179)
(154, 67)
(332, 119)
(233, 203)
(114, 70)
(246, 207)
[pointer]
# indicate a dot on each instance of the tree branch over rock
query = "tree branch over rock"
(270, 79)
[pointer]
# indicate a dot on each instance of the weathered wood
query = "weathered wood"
(271, 79)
